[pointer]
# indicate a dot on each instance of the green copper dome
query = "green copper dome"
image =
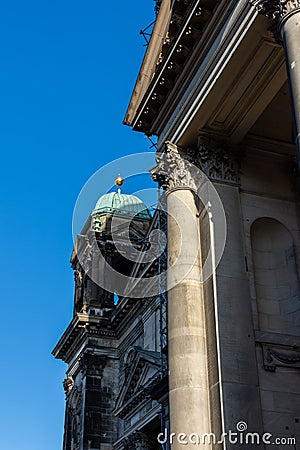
(123, 205)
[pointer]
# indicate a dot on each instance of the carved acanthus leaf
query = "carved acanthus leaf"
(175, 169)
(275, 9)
(178, 168)
(218, 161)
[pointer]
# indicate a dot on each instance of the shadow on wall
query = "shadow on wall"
(276, 277)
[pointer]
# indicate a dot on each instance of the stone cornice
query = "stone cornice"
(188, 20)
(148, 66)
(81, 326)
(122, 310)
(86, 325)
(221, 55)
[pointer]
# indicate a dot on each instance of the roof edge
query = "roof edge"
(148, 66)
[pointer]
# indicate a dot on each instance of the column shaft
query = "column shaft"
(290, 32)
(188, 380)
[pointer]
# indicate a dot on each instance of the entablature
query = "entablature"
(81, 327)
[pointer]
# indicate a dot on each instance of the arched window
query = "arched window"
(276, 277)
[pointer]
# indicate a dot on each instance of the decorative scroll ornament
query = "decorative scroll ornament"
(275, 9)
(178, 168)
(280, 356)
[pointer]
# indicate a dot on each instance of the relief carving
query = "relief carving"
(174, 169)
(179, 168)
(68, 384)
(275, 9)
(276, 356)
(217, 160)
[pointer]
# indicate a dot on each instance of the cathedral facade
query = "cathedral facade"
(211, 359)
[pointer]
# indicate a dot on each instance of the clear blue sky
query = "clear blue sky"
(67, 71)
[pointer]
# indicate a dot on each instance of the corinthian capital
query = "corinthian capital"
(175, 169)
(275, 9)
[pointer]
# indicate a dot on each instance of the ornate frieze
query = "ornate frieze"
(218, 161)
(275, 9)
(178, 168)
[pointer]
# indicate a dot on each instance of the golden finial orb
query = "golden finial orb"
(119, 181)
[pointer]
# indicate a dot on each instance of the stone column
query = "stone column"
(187, 355)
(287, 15)
(188, 384)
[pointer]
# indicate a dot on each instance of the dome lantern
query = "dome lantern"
(127, 206)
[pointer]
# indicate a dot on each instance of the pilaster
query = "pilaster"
(90, 399)
(227, 297)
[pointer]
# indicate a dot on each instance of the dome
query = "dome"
(123, 205)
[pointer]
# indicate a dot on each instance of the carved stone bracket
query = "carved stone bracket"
(279, 356)
(275, 9)
(93, 365)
